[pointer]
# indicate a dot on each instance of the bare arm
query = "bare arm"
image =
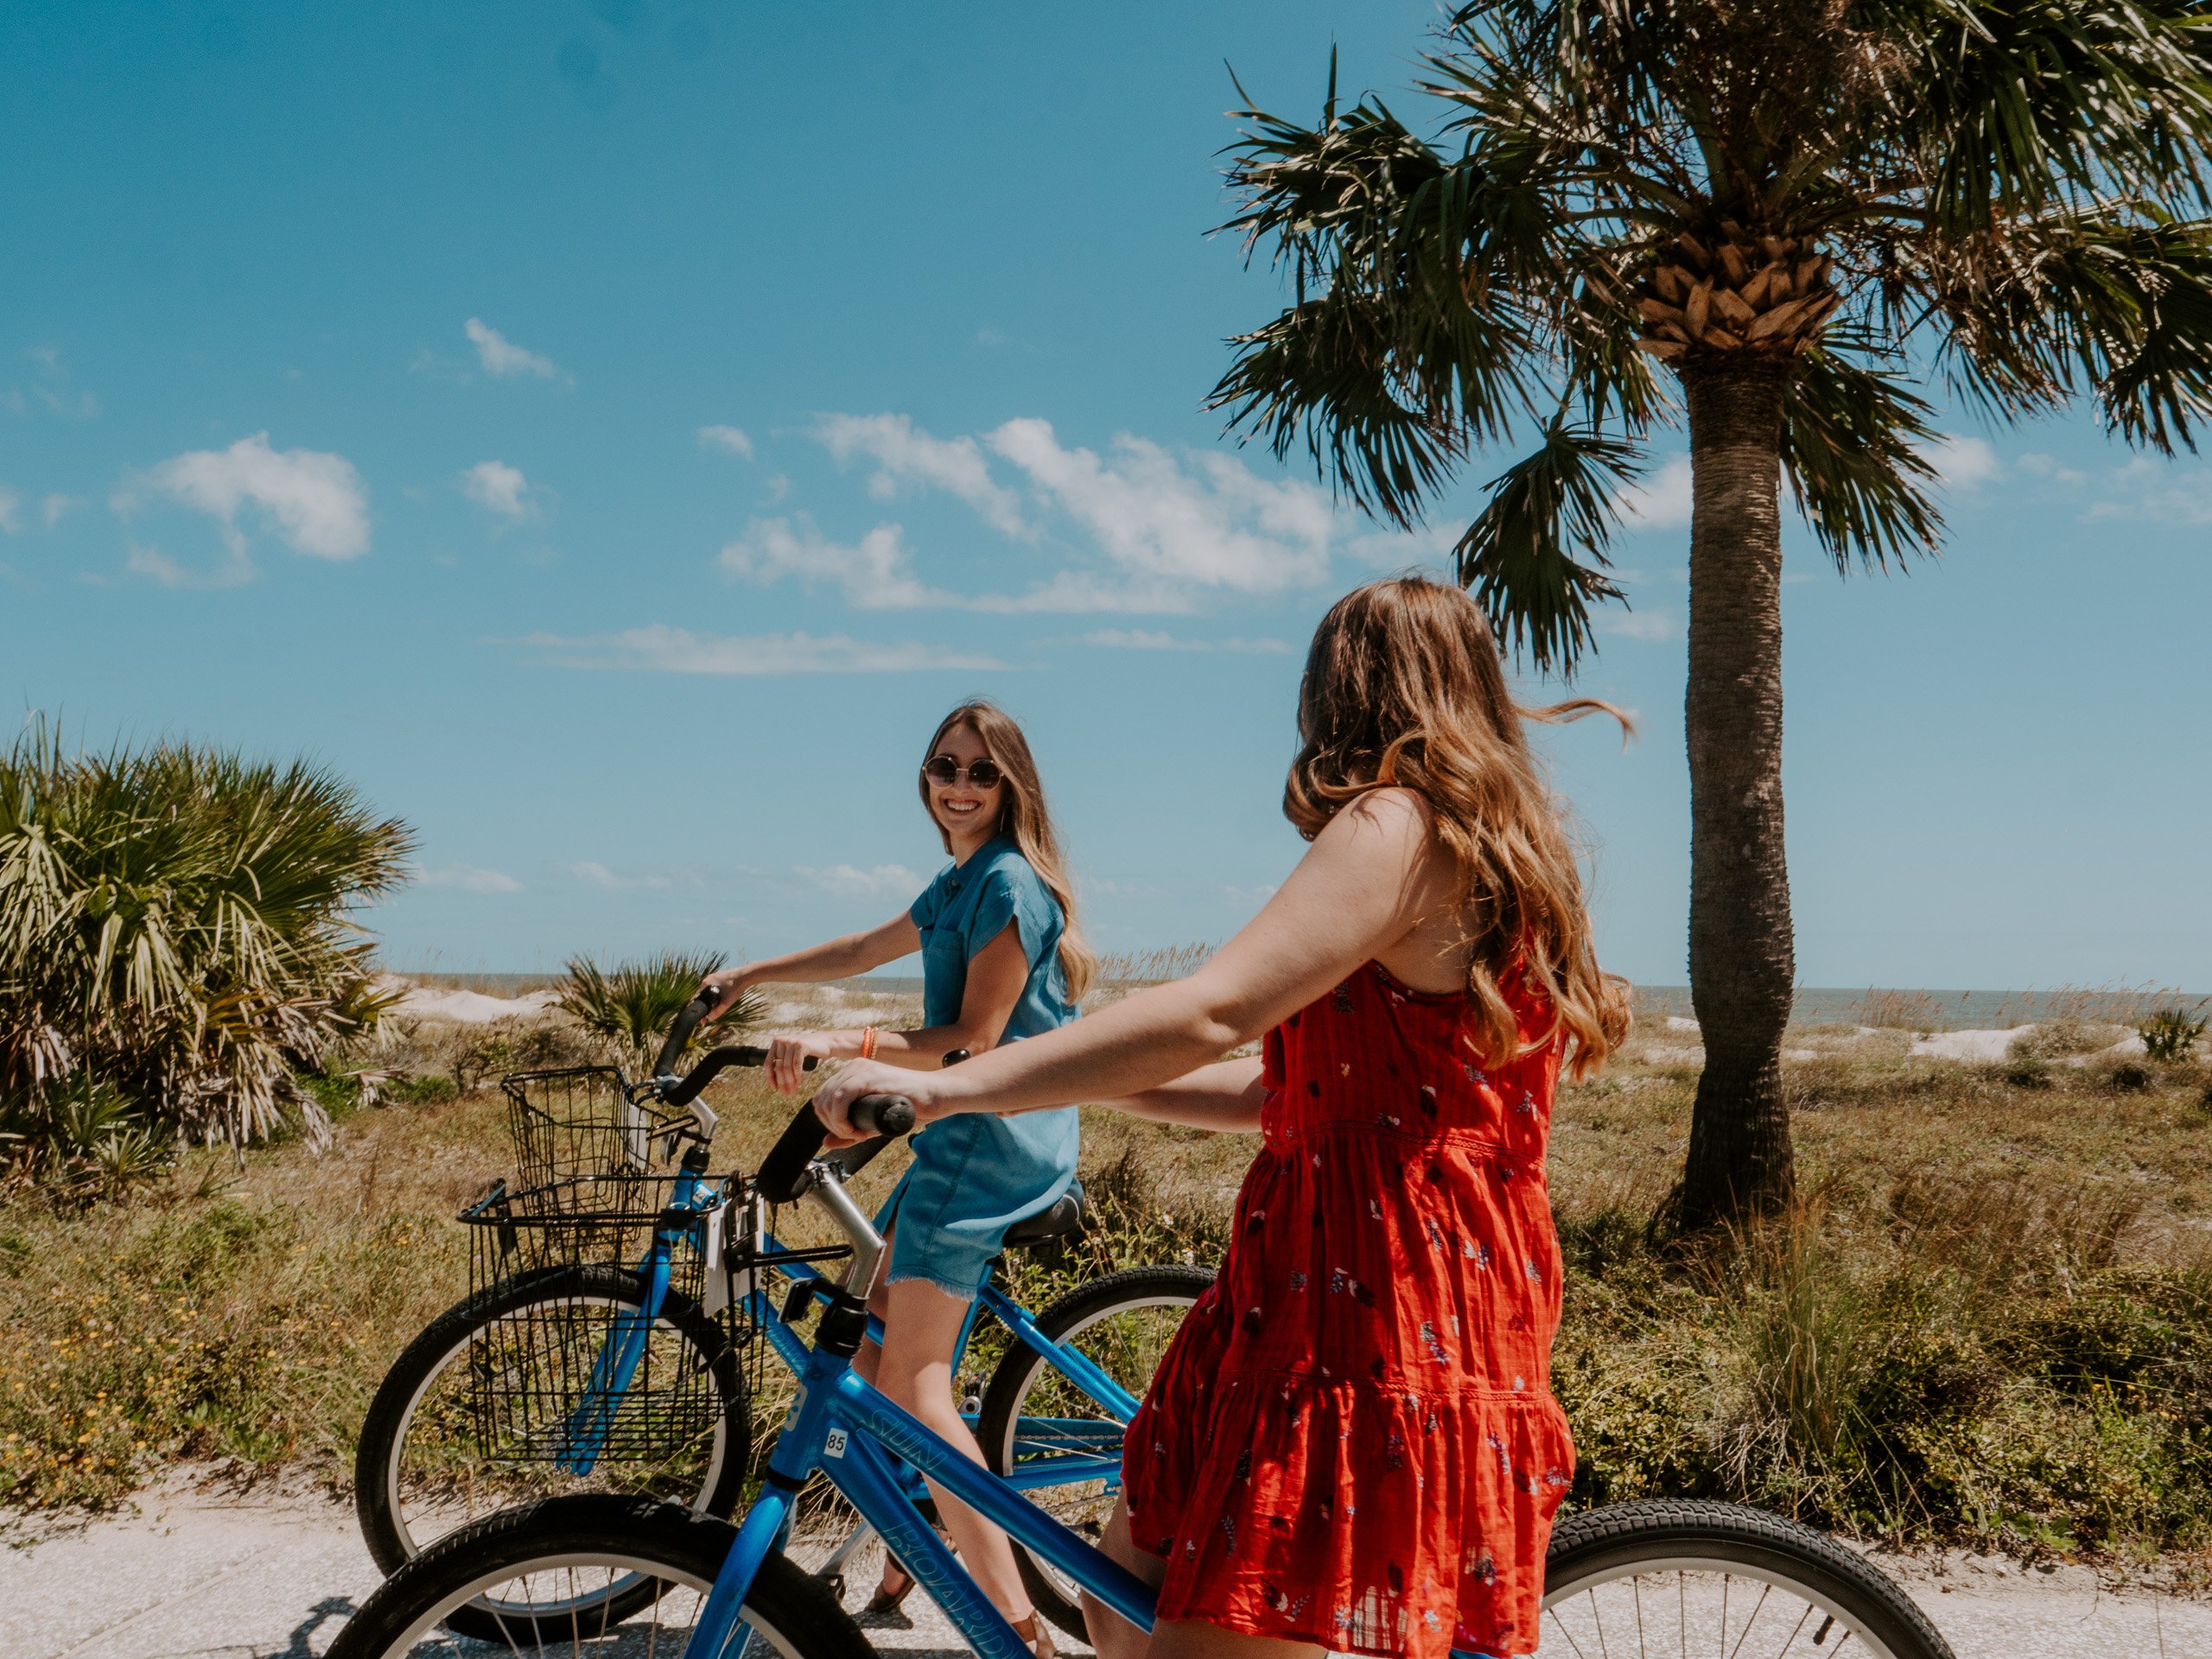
(1224, 1096)
(1364, 884)
(995, 976)
(856, 953)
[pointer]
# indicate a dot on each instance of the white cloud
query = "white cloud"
(874, 572)
(849, 883)
(1216, 526)
(501, 356)
(2048, 467)
(727, 438)
(903, 453)
(591, 870)
(1962, 462)
(495, 484)
(677, 650)
(467, 878)
(312, 499)
(1638, 625)
(1659, 500)
(1150, 640)
(146, 560)
(10, 512)
(2161, 495)
(56, 504)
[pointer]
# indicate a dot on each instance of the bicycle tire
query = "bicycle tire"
(674, 1550)
(998, 1422)
(447, 1339)
(1666, 1536)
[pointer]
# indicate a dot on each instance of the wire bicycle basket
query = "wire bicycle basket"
(579, 1121)
(573, 1373)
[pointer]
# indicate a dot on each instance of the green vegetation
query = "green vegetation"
(176, 945)
(1988, 1321)
(630, 1005)
(2169, 1034)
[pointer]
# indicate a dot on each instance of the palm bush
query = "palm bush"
(630, 1005)
(2169, 1034)
(177, 937)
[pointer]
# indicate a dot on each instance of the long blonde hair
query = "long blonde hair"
(1025, 818)
(1404, 687)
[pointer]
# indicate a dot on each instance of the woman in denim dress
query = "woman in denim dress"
(1000, 961)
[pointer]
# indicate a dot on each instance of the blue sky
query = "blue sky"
(611, 434)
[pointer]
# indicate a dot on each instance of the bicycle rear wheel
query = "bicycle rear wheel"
(468, 1420)
(1668, 1579)
(546, 1568)
(1032, 1414)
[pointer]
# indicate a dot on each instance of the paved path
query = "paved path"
(195, 1577)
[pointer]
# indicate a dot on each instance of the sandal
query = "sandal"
(885, 1602)
(1038, 1634)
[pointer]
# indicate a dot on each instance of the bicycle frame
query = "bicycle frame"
(843, 1426)
(624, 1349)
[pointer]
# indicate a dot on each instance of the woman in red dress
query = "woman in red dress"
(1352, 1443)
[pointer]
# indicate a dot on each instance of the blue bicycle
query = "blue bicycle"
(613, 1339)
(1661, 1579)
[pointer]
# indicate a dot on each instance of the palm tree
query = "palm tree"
(1769, 220)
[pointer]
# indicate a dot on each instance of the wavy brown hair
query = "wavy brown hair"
(1404, 688)
(1025, 818)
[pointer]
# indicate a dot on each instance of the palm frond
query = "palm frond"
(1400, 350)
(1516, 554)
(2118, 300)
(2015, 109)
(1853, 443)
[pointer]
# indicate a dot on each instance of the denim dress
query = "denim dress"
(976, 1174)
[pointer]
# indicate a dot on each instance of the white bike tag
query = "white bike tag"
(833, 1445)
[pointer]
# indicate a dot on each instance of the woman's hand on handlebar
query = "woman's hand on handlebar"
(789, 1052)
(724, 988)
(934, 1095)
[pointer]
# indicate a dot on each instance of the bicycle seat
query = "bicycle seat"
(1065, 1217)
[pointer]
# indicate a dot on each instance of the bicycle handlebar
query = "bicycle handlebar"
(679, 1034)
(786, 1172)
(717, 1061)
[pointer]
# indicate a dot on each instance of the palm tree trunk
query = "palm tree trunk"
(1742, 952)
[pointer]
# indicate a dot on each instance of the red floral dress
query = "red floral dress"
(1352, 1440)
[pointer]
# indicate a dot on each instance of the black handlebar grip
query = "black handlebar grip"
(679, 1034)
(954, 1056)
(785, 1173)
(716, 1062)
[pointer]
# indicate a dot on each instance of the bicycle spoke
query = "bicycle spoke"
(1765, 1592)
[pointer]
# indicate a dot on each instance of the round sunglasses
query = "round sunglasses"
(944, 772)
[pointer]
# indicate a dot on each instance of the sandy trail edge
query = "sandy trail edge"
(264, 1577)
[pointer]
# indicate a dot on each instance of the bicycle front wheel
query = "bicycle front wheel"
(481, 1411)
(548, 1566)
(1668, 1580)
(1033, 1416)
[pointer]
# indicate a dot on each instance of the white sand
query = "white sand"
(1968, 1044)
(471, 1007)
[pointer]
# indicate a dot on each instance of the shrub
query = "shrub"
(630, 1005)
(430, 1089)
(2169, 1034)
(176, 925)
